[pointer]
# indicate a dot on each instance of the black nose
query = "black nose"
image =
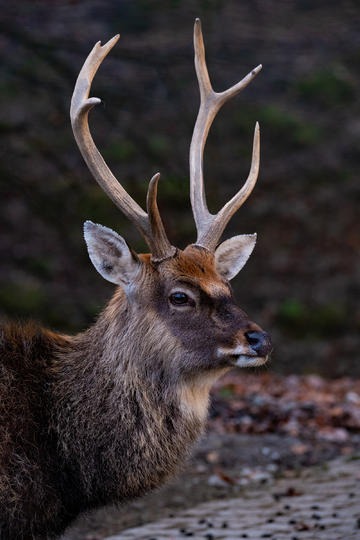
(259, 342)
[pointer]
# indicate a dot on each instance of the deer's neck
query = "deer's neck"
(121, 417)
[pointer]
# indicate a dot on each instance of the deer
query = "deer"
(111, 413)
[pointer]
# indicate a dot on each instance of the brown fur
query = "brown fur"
(111, 413)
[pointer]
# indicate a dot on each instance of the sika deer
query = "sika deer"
(109, 414)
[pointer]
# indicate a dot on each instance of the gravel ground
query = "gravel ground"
(321, 503)
(223, 468)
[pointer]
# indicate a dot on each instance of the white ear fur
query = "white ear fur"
(110, 254)
(232, 254)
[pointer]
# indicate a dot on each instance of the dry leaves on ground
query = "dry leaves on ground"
(306, 407)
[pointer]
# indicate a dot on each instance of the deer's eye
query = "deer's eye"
(179, 299)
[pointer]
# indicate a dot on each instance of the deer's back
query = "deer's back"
(26, 443)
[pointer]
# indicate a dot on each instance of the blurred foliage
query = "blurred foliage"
(302, 282)
(327, 88)
(309, 321)
(284, 127)
(28, 299)
(120, 151)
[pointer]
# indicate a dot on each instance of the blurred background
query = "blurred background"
(302, 281)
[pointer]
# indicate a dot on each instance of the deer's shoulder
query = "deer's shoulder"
(27, 346)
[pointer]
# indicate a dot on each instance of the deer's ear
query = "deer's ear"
(232, 254)
(110, 254)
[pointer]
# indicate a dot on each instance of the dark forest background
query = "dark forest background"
(302, 281)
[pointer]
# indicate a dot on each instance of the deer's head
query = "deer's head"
(187, 291)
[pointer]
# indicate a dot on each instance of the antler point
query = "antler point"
(109, 44)
(156, 177)
(256, 70)
(197, 26)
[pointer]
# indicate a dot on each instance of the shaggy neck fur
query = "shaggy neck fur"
(90, 420)
(120, 419)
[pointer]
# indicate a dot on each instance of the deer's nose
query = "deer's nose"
(259, 342)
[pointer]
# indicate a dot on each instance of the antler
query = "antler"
(210, 227)
(149, 224)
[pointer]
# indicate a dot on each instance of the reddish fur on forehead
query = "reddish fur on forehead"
(193, 261)
(196, 263)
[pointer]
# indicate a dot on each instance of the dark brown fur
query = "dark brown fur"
(109, 414)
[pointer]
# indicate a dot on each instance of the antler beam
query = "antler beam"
(149, 224)
(210, 227)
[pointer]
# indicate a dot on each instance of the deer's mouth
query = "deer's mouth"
(255, 353)
(241, 356)
(247, 360)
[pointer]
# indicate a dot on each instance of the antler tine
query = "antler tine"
(164, 249)
(150, 225)
(210, 236)
(210, 227)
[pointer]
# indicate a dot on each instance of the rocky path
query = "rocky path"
(323, 502)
